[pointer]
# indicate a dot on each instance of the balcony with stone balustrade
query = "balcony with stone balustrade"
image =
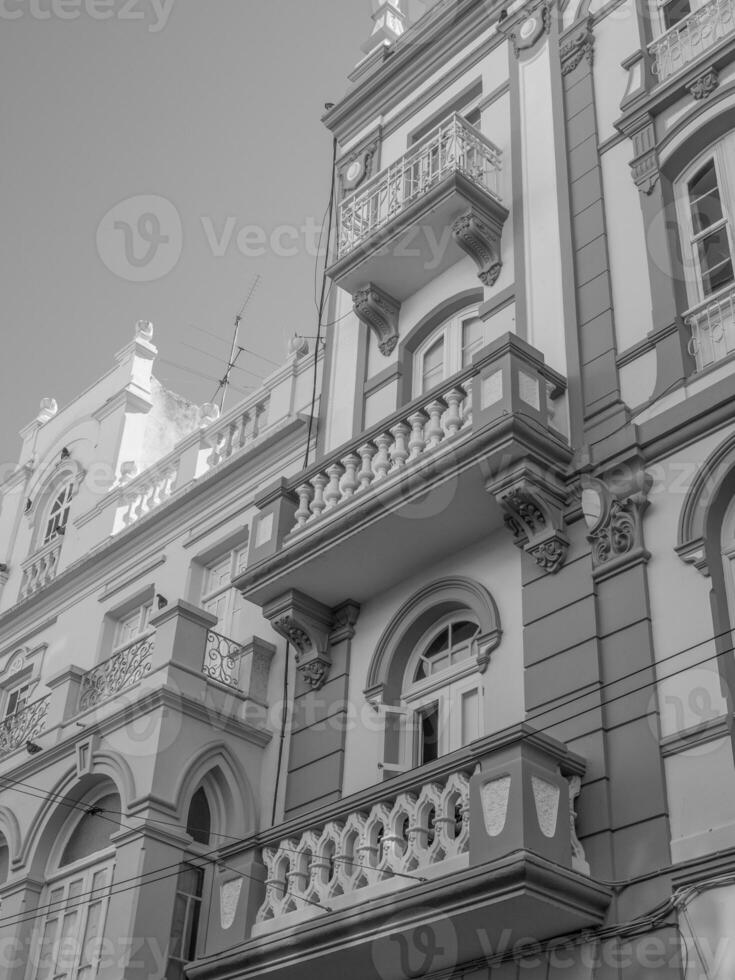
(487, 448)
(477, 848)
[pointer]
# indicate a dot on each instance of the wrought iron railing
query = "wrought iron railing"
(222, 658)
(686, 41)
(124, 669)
(454, 146)
(712, 326)
(23, 726)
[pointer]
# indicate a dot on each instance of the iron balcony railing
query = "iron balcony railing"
(691, 37)
(122, 670)
(222, 658)
(454, 146)
(712, 325)
(23, 726)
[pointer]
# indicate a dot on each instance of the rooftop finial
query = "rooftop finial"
(389, 22)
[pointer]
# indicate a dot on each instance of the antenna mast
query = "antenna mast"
(224, 383)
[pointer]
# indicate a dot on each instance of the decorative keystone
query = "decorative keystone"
(379, 312)
(311, 627)
(532, 510)
(615, 520)
(481, 241)
(524, 28)
(577, 46)
(703, 86)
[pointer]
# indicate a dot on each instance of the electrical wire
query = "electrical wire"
(246, 349)
(218, 359)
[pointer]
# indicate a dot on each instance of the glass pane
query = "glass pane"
(68, 946)
(93, 831)
(192, 945)
(219, 574)
(178, 927)
(473, 336)
(438, 644)
(715, 261)
(46, 950)
(470, 716)
(675, 11)
(463, 631)
(199, 820)
(429, 734)
(704, 198)
(433, 365)
(92, 934)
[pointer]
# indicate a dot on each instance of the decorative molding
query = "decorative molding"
(579, 858)
(360, 164)
(525, 28)
(379, 311)
(343, 622)
(577, 46)
(645, 164)
(615, 521)
(481, 242)
(494, 796)
(704, 85)
(532, 508)
(546, 797)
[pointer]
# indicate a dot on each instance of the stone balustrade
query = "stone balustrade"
(40, 568)
(411, 439)
(148, 491)
(691, 37)
(235, 431)
(712, 325)
(120, 671)
(23, 726)
(394, 840)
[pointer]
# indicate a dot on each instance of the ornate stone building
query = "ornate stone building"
(474, 716)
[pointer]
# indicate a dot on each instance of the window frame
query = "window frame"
(56, 516)
(451, 331)
(144, 611)
(237, 555)
(688, 238)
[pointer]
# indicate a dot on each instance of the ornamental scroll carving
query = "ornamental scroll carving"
(615, 521)
(481, 241)
(532, 511)
(379, 312)
(576, 47)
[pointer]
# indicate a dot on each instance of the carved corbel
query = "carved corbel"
(379, 312)
(312, 628)
(481, 241)
(615, 520)
(704, 85)
(533, 511)
(306, 625)
(576, 46)
(645, 166)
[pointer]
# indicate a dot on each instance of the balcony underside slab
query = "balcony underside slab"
(422, 234)
(458, 919)
(408, 521)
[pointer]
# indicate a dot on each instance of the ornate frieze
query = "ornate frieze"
(532, 511)
(577, 46)
(379, 311)
(481, 242)
(615, 521)
(704, 85)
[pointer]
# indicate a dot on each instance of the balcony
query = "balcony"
(696, 34)
(22, 727)
(41, 567)
(124, 669)
(478, 845)
(712, 325)
(486, 449)
(437, 202)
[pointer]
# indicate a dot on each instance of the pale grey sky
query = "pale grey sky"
(214, 107)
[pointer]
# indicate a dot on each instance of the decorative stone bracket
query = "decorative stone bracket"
(645, 166)
(615, 520)
(479, 237)
(312, 628)
(575, 46)
(379, 312)
(704, 85)
(533, 510)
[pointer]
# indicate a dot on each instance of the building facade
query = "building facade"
(455, 699)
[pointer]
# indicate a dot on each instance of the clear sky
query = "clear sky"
(207, 113)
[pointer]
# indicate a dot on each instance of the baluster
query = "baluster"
(318, 504)
(417, 443)
(366, 474)
(399, 450)
(243, 433)
(381, 463)
(303, 514)
(436, 433)
(349, 480)
(333, 493)
(453, 420)
(467, 405)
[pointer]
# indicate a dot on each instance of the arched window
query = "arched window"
(705, 196)
(189, 890)
(58, 513)
(76, 895)
(448, 349)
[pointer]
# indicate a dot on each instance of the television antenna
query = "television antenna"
(235, 350)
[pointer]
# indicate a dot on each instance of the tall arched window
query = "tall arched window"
(58, 513)
(76, 895)
(190, 889)
(448, 349)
